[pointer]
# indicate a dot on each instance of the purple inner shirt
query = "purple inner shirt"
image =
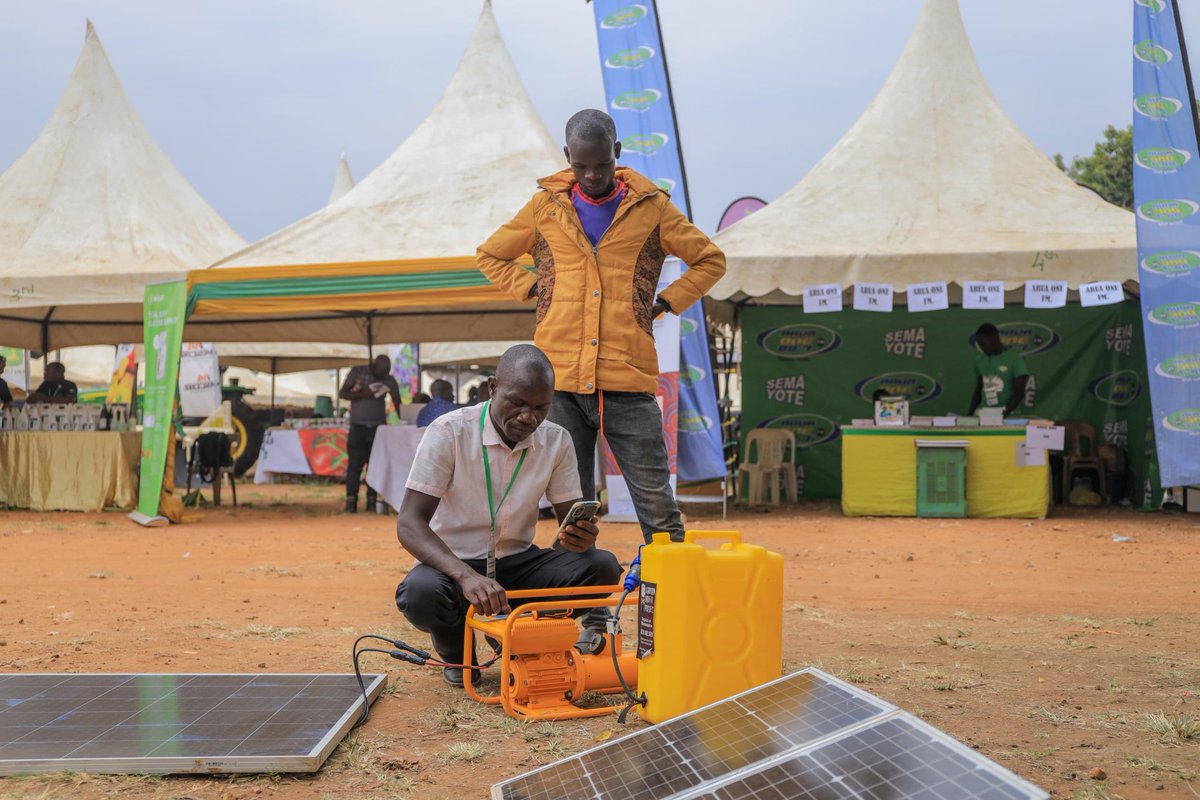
(596, 215)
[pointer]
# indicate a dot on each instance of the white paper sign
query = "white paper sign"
(928, 296)
(872, 297)
(822, 299)
(1102, 293)
(1045, 294)
(983, 294)
(199, 379)
(1027, 456)
(1040, 438)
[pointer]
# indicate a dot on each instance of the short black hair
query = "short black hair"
(525, 365)
(589, 125)
(987, 329)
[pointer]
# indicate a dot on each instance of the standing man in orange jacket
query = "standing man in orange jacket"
(599, 234)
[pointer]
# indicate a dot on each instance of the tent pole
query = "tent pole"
(337, 391)
(370, 337)
(274, 366)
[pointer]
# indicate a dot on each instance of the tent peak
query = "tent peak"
(90, 30)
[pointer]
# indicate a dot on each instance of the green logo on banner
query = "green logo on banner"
(798, 341)
(1027, 338)
(1157, 106)
(1162, 159)
(1117, 388)
(917, 387)
(1167, 211)
(692, 375)
(666, 184)
(1172, 263)
(636, 100)
(1185, 420)
(1185, 368)
(1177, 315)
(629, 59)
(646, 145)
(687, 326)
(624, 17)
(1155, 6)
(689, 421)
(810, 429)
(1151, 53)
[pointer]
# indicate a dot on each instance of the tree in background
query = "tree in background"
(1109, 169)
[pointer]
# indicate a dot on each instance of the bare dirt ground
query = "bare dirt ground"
(1072, 659)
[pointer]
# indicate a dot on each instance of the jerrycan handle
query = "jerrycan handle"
(734, 537)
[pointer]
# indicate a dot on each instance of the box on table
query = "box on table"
(891, 412)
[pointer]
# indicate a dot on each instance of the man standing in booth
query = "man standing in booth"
(367, 387)
(1001, 375)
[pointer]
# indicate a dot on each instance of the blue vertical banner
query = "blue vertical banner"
(1166, 188)
(639, 100)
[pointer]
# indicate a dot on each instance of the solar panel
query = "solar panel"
(808, 735)
(159, 723)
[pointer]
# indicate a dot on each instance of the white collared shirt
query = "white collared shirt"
(449, 466)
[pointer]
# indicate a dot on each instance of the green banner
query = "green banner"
(163, 310)
(813, 373)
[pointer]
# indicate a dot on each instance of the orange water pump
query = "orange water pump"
(542, 675)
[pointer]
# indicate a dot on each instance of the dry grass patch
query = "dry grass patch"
(1173, 728)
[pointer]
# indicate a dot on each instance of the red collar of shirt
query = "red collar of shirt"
(618, 189)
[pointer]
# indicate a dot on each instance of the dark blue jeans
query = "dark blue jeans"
(634, 430)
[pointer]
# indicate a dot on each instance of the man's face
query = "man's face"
(990, 344)
(381, 366)
(518, 410)
(55, 372)
(3, 363)
(594, 163)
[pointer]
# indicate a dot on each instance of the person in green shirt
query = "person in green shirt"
(1001, 375)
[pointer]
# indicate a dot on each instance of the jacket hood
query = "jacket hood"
(562, 181)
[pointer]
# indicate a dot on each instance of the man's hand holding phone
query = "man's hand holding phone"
(578, 537)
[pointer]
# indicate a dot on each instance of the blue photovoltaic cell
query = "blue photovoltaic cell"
(174, 723)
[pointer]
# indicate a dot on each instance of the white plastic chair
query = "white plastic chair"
(770, 457)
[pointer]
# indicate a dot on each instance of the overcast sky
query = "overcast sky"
(254, 100)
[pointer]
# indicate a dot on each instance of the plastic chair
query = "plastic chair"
(770, 457)
(1080, 455)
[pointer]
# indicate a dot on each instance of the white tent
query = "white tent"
(343, 181)
(933, 182)
(92, 212)
(466, 169)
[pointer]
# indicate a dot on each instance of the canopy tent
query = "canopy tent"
(394, 258)
(932, 183)
(343, 181)
(92, 212)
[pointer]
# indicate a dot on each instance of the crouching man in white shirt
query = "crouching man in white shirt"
(471, 505)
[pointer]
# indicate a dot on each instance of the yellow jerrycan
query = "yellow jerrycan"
(710, 621)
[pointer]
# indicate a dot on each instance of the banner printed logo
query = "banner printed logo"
(636, 100)
(1152, 53)
(687, 326)
(1155, 6)
(799, 341)
(691, 421)
(1117, 388)
(1162, 159)
(916, 387)
(1186, 420)
(1183, 368)
(633, 58)
(810, 429)
(1167, 212)
(1176, 315)
(909, 343)
(624, 17)
(1157, 106)
(787, 389)
(646, 145)
(666, 184)
(692, 375)
(1172, 263)
(1027, 338)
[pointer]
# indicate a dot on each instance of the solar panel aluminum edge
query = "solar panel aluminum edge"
(342, 713)
(727, 737)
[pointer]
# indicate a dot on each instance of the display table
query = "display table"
(879, 472)
(391, 458)
(322, 451)
(302, 451)
(69, 470)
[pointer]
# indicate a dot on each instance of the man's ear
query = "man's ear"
(567, 154)
(616, 150)
(492, 385)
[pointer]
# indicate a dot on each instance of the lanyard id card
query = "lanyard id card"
(494, 509)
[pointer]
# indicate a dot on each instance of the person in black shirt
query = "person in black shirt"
(6, 398)
(55, 389)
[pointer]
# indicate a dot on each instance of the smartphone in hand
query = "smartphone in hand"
(582, 510)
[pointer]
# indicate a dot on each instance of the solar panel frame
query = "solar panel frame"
(313, 701)
(582, 775)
